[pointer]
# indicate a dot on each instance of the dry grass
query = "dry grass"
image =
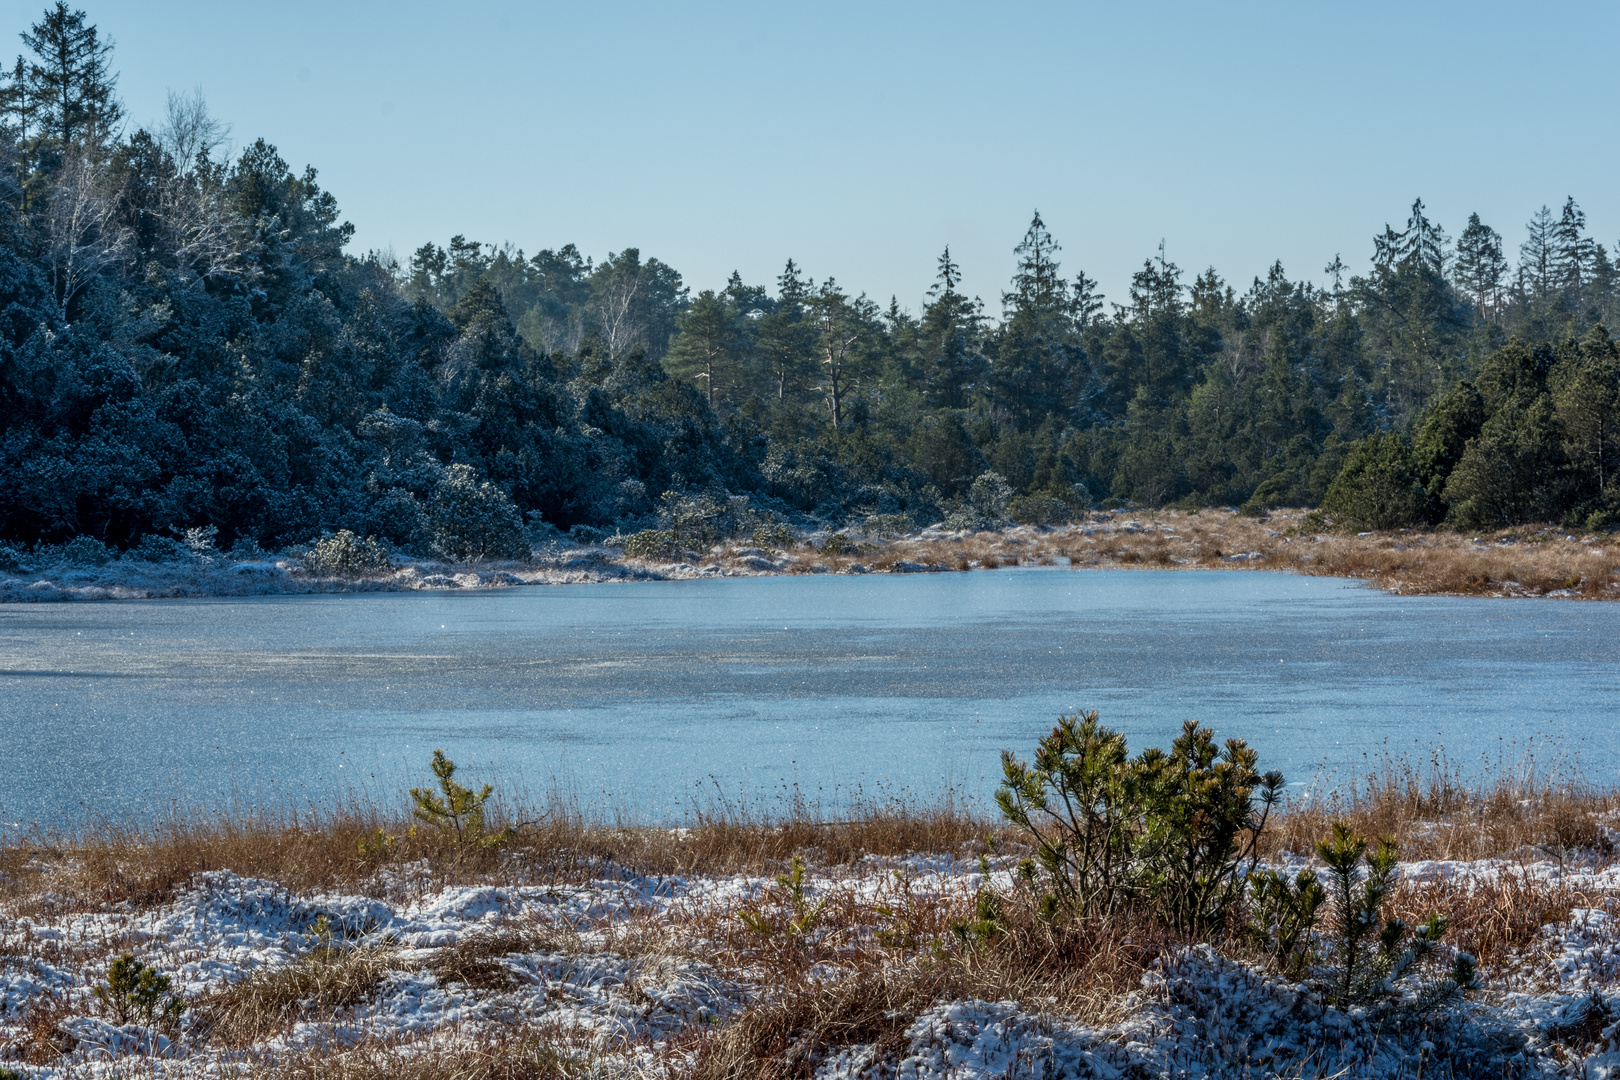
(321, 849)
(1434, 810)
(322, 984)
(475, 961)
(1530, 560)
(518, 1052)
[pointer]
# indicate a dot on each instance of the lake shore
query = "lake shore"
(350, 944)
(1526, 561)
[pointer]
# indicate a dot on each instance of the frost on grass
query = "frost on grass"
(1527, 561)
(635, 975)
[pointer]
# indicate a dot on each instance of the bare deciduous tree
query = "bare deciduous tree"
(83, 234)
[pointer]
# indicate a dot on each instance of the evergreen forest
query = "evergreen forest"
(187, 343)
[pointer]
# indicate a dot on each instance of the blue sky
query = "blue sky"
(860, 139)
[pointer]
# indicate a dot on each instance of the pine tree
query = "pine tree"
(952, 363)
(842, 323)
(707, 345)
(1480, 266)
(66, 94)
(1573, 253)
(1538, 256)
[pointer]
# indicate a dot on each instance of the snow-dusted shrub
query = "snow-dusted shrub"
(698, 522)
(650, 544)
(1166, 833)
(13, 557)
(85, 551)
(989, 496)
(887, 525)
(344, 554)
(1380, 960)
(772, 534)
(472, 519)
(159, 549)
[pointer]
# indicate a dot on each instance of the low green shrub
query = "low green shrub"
(885, 526)
(135, 992)
(839, 544)
(773, 534)
(650, 544)
(1161, 832)
(458, 812)
(1379, 960)
(801, 916)
(1283, 913)
(1041, 510)
(343, 554)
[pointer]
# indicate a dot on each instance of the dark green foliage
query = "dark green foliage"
(135, 992)
(456, 811)
(473, 519)
(1163, 832)
(1381, 960)
(192, 346)
(1283, 914)
(1379, 487)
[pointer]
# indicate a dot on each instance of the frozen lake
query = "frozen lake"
(644, 697)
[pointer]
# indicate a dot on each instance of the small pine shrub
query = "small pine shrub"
(885, 526)
(1379, 961)
(1283, 915)
(85, 551)
(650, 544)
(804, 915)
(1040, 510)
(838, 544)
(1166, 833)
(159, 549)
(773, 534)
(133, 991)
(344, 554)
(458, 812)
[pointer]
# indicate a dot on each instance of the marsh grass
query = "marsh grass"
(873, 957)
(371, 848)
(1528, 560)
(323, 983)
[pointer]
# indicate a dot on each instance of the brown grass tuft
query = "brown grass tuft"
(326, 981)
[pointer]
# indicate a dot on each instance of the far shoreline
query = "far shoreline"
(1525, 561)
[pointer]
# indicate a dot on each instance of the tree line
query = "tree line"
(186, 342)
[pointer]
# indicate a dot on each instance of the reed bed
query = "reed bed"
(1524, 561)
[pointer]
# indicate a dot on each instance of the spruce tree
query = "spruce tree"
(952, 362)
(65, 96)
(1480, 266)
(1572, 251)
(1538, 256)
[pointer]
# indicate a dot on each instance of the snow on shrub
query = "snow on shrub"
(473, 519)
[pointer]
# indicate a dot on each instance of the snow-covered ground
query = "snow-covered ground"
(625, 968)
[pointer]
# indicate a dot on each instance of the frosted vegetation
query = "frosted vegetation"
(187, 342)
(1131, 915)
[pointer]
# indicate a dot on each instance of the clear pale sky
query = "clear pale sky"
(860, 139)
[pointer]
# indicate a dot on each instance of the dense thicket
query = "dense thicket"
(185, 343)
